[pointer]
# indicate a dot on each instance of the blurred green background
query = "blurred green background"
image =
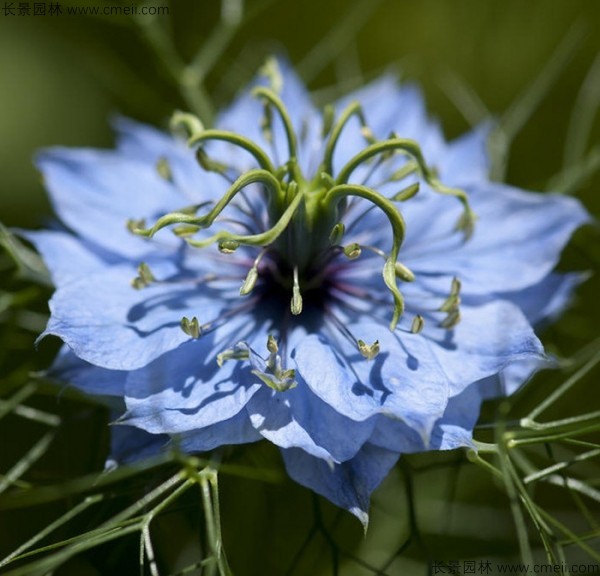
(62, 77)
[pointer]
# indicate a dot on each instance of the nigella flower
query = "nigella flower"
(344, 284)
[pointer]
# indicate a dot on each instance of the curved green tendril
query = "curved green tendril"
(262, 239)
(250, 177)
(412, 149)
(192, 124)
(272, 98)
(254, 149)
(339, 192)
(353, 109)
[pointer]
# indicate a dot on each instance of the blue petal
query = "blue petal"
(487, 339)
(317, 425)
(455, 428)
(185, 389)
(413, 376)
(465, 160)
(129, 444)
(271, 416)
(403, 113)
(66, 257)
(548, 298)
(108, 323)
(392, 383)
(146, 144)
(86, 377)
(95, 192)
(516, 244)
(236, 430)
(397, 436)
(350, 484)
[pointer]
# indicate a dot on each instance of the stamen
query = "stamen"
(232, 354)
(296, 304)
(407, 193)
(271, 372)
(453, 300)
(404, 273)
(194, 329)
(191, 327)
(144, 277)
(337, 232)
(328, 118)
(210, 165)
(409, 168)
(451, 306)
(418, 324)
(266, 124)
(352, 251)
(270, 70)
(369, 352)
(252, 276)
(249, 282)
(228, 246)
(451, 320)
(164, 169)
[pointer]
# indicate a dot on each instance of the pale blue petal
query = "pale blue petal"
(414, 375)
(455, 428)
(236, 430)
(465, 160)
(397, 436)
(96, 192)
(186, 389)
(487, 339)
(129, 444)
(108, 323)
(350, 484)
(545, 300)
(394, 383)
(66, 256)
(403, 113)
(517, 243)
(321, 427)
(271, 416)
(147, 144)
(88, 378)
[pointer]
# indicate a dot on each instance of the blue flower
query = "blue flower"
(345, 284)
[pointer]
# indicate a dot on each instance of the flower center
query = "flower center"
(301, 223)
